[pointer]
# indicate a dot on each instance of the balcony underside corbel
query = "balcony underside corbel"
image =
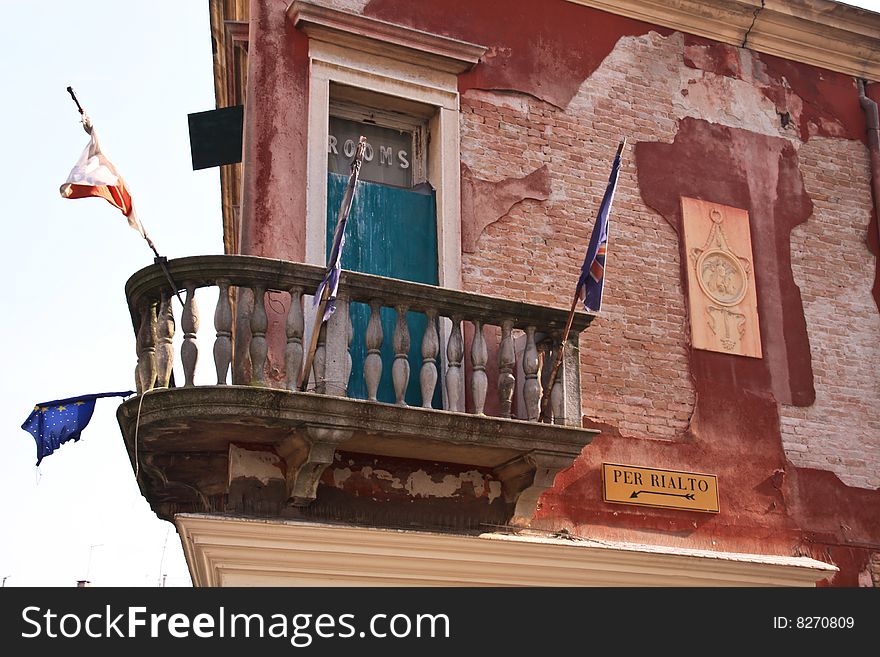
(263, 451)
(307, 456)
(526, 477)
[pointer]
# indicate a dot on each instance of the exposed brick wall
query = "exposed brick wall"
(639, 375)
(634, 357)
(840, 432)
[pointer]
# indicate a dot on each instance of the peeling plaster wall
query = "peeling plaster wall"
(403, 492)
(533, 49)
(274, 156)
(641, 379)
(781, 139)
(640, 384)
(262, 465)
(484, 202)
(831, 263)
(832, 266)
(353, 6)
(642, 87)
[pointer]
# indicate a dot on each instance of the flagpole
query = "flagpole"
(159, 260)
(342, 217)
(313, 342)
(78, 106)
(545, 395)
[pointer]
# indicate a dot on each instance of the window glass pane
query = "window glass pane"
(388, 156)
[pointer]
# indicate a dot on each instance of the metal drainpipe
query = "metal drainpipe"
(872, 121)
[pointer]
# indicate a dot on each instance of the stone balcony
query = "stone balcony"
(259, 445)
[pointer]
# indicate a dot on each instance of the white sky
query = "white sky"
(138, 68)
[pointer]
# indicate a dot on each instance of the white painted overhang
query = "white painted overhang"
(235, 551)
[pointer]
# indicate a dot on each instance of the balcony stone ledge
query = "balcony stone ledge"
(186, 440)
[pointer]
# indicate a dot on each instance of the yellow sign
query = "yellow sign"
(669, 489)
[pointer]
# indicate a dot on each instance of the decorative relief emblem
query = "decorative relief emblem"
(722, 296)
(729, 327)
(722, 277)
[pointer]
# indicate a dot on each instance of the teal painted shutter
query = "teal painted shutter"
(391, 232)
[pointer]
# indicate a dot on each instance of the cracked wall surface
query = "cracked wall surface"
(642, 386)
(634, 360)
(832, 266)
(793, 436)
(404, 492)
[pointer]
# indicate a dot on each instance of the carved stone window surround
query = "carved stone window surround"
(377, 57)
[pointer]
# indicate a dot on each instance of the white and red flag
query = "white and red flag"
(94, 175)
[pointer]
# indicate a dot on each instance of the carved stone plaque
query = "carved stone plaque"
(721, 278)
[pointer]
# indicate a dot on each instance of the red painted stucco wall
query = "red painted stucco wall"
(274, 157)
(796, 451)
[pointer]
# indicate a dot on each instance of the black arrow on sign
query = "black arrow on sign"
(687, 496)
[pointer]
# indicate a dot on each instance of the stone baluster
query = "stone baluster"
(531, 387)
(164, 336)
(223, 326)
(189, 350)
(320, 358)
(546, 357)
(546, 354)
(373, 361)
(506, 364)
(566, 394)
(259, 349)
(400, 367)
(557, 392)
(479, 356)
(454, 354)
(430, 349)
(293, 352)
(337, 359)
(146, 348)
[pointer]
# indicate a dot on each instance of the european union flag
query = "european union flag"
(56, 422)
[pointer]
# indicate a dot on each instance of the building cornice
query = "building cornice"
(382, 38)
(234, 551)
(821, 33)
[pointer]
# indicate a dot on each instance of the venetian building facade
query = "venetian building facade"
(717, 422)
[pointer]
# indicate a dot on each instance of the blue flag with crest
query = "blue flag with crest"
(592, 278)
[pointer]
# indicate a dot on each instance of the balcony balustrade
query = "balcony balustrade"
(180, 437)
